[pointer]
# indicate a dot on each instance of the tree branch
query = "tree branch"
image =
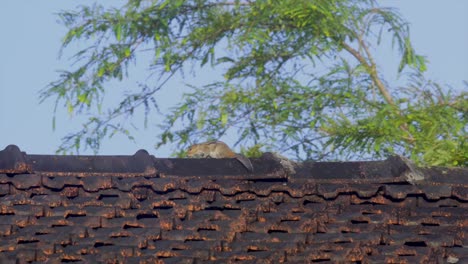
(372, 71)
(371, 67)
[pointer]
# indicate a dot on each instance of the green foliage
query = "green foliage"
(253, 152)
(436, 128)
(272, 96)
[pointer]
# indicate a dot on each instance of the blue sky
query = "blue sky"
(29, 60)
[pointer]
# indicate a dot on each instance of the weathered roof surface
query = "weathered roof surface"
(141, 209)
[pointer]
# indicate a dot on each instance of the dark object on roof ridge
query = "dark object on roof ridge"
(12, 160)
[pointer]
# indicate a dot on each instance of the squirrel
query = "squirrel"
(217, 150)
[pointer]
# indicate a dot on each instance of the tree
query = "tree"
(272, 95)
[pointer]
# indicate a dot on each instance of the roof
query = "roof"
(143, 209)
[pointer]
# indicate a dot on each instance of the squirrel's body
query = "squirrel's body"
(217, 150)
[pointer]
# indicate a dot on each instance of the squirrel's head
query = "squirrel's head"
(196, 151)
(191, 151)
(203, 150)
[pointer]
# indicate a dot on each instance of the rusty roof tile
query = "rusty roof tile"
(21, 181)
(141, 209)
(460, 192)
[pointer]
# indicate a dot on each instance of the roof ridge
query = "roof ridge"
(395, 169)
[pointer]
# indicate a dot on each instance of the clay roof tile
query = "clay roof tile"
(142, 209)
